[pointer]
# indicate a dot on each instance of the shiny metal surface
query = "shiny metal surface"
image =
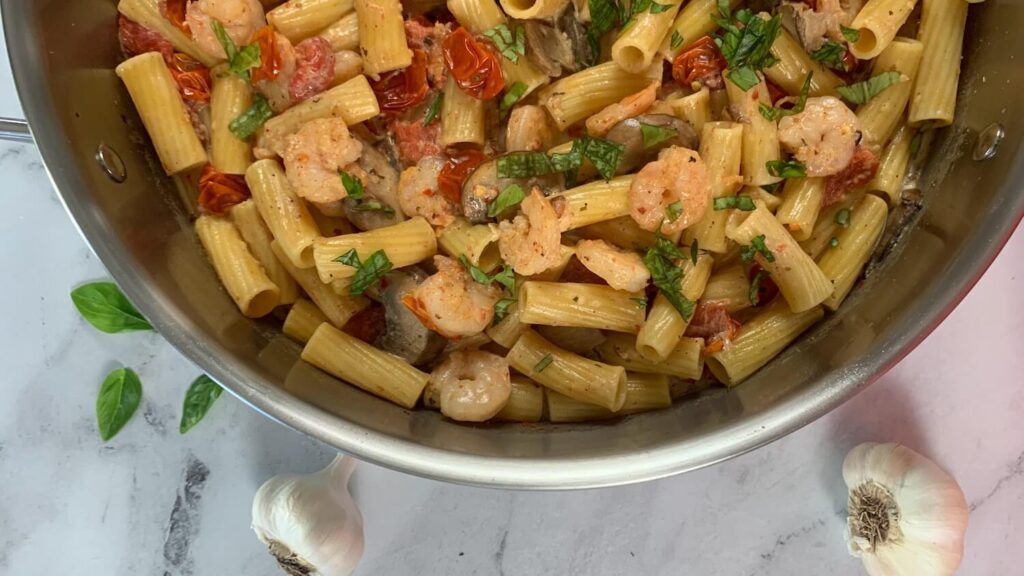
(63, 54)
(15, 130)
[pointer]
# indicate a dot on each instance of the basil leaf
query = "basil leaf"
(771, 113)
(513, 94)
(744, 203)
(368, 272)
(254, 116)
(786, 169)
(506, 277)
(434, 109)
(843, 217)
(353, 186)
(677, 40)
(230, 49)
(104, 306)
(199, 397)
(641, 303)
(501, 309)
(851, 34)
(605, 155)
(694, 252)
(745, 42)
(654, 135)
(771, 188)
(544, 363)
(745, 77)
(239, 61)
(375, 207)
(864, 92)
(118, 399)
(673, 210)
(603, 14)
(511, 43)
(754, 294)
(508, 198)
(757, 246)
(659, 8)
(667, 276)
(831, 54)
(524, 165)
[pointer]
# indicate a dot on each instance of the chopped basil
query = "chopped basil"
(373, 206)
(544, 363)
(654, 135)
(694, 252)
(833, 242)
(745, 41)
(863, 92)
(771, 113)
(667, 276)
(255, 115)
(368, 272)
(831, 54)
(757, 246)
(677, 40)
(353, 186)
(605, 155)
(240, 61)
(117, 401)
(103, 305)
(513, 94)
(755, 287)
(199, 397)
(506, 277)
(673, 210)
(434, 109)
(786, 169)
(603, 14)
(510, 42)
(641, 303)
(638, 7)
(501, 309)
(744, 203)
(524, 165)
(843, 217)
(771, 188)
(851, 34)
(508, 198)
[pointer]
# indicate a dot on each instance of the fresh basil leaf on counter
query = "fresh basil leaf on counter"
(199, 397)
(117, 401)
(104, 306)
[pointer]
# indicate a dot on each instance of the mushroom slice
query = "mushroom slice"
(483, 186)
(629, 133)
(379, 206)
(404, 335)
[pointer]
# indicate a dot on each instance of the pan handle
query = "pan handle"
(15, 130)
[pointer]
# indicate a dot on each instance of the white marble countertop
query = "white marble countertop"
(74, 505)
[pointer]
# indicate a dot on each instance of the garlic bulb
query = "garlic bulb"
(310, 523)
(905, 514)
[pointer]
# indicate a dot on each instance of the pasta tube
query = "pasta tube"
(530, 9)
(300, 19)
(795, 64)
(826, 228)
(582, 305)
(247, 219)
(405, 243)
(303, 319)
(373, 370)
(584, 93)
(881, 115)
(525, 403)
(163, 112)
(760, 135)
(509, 329)
(760, 340)
(640, 39)
(729, 286)
(893, 166)
(567, 373)
(477, 16)
(623, 231)
(239, 272)
(685, 360)
(343, 34)
(284, 212)
(877, 24)
(942, 32)
(644, 392)
(801, 201)
(843, 263)
(597, 201)
(479, 243)
(338, 306)
(721, 147)
(462, 117)
(230, 98)
(692, 23)
(695, 108)
(382, 40)
(664, 326)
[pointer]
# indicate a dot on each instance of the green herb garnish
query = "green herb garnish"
(508, 198)
(512, 94)
(641, 303)
(510, 42)
(786, 169)
(667, 277)
(757, 246)
(673, 210)
(368, 272)
(744, 203)
(118, 399)
(199, 397)
(831, 54)
(745, 41)
(434, 109)
(843, 217)
(501, 309)
(771, 113)
(544, 363)
(864, 92)
(694, 252)
(255, 115)
(353, 186)
(833, 242)
(240, 61)
(851, 34)
(677, 40)
(755, 287)
(506, 277)
(103, 305)
(374, 206)
(654, 135)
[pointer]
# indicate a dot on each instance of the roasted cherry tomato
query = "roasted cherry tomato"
(767, 290)
(193, 78)
(861, 169)
(712, 322)
(219, 191)
(367, 325)
(174, 11)
(270, 58)
(474, 65)
(137, 39)
(314, 69)
(405, 88)
(775, 92)
(702, 62)
(459, 166)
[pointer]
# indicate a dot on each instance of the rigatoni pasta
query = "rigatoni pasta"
(247, 219)
(284, 212)
(382, 40)
(241, 274)
(943, 23)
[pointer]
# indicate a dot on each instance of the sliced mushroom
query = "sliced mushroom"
(630, 134)
(379, 206)
(573, 338)
(483, 186)
(405, 336)
(558, 45)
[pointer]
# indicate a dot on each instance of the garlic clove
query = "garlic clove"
(310, 523)
(905, 514)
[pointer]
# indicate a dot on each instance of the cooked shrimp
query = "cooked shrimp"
(451, 303)
(528, 129)
(316, 154)
(240, 18)
(473, 386)
(824, 21)
(621, 269)
(629, 107)
(418, 193)
(823, 136)
(531, 243)
(671, 193)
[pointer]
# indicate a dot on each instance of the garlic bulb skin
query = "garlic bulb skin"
(310, 523)
(906, 516)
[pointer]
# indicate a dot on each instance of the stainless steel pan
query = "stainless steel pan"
(63, 54)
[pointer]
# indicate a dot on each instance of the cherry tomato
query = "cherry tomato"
(775, 92)
(712, 322)
(405, 88)
(174, 11)
(473, 64)
(702, 62)
(193, 78)
(368, 324)
(137, 39)
(219, 191)
(314, 69)
(459, 166)
(270, 58)
(767, 290)
(861, 169)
